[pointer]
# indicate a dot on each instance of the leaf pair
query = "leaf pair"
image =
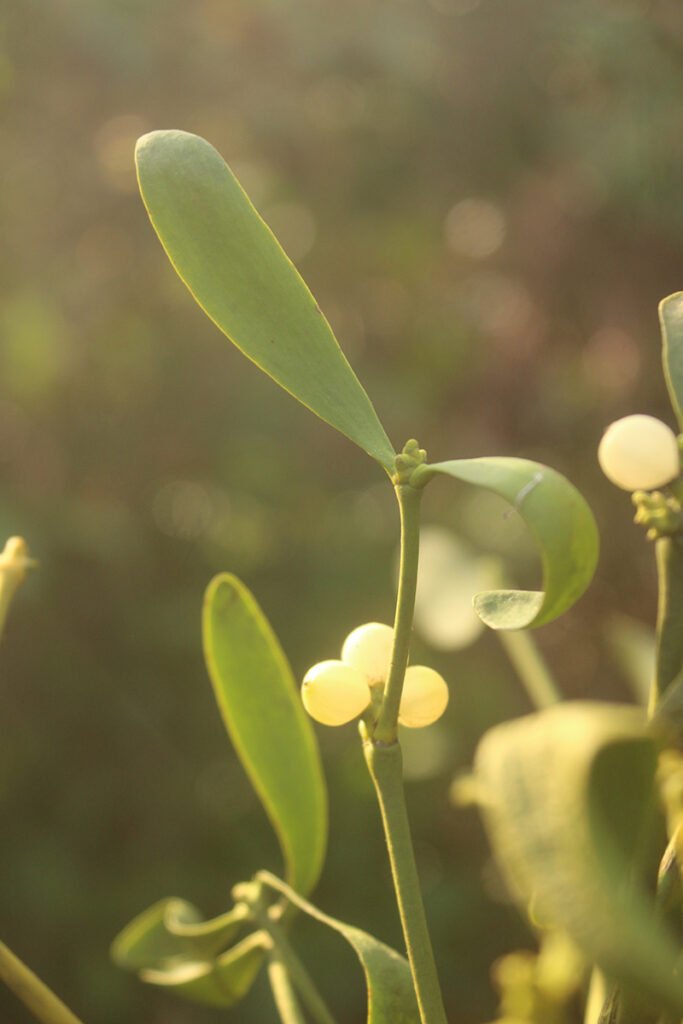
(170, 944)
(570, 803)
(235, 269)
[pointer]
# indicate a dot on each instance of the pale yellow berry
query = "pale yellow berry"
(424, 698)
(639, 453)
(368, 648)
(334, 693)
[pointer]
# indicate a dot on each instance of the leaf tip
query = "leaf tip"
(508, 609)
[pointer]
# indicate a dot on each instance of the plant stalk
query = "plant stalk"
(669, 659)
(530, 666)
(290, 963)
(284, 996)
(385, 765)
(386, 729)
(32, 992)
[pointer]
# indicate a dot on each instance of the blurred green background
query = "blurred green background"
(485, 197)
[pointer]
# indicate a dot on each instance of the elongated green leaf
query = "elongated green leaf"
(235, 269)
(272, 735)
(671, 321)
(391, 999)
(221, 982)
(562, 524)
(174, 928)
(571, 809)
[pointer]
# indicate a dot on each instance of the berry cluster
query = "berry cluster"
(336, 692)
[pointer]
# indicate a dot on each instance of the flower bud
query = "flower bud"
(14, 558)
(639, 453)
(424, 698)
(368, 648)
(334, 693)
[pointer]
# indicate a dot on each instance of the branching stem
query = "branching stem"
(289, 961)
(284, 996)
(385, 764)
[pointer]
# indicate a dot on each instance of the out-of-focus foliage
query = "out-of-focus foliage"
(485, 197)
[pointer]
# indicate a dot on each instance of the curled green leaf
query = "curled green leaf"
(222, 982)
(172, 929)
(170, 944)
(561, 523)
(236, 270)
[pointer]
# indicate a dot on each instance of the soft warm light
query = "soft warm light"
(639, 453)
(424, 698)
(368, 648)
(334, 693)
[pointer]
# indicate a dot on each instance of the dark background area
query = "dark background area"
(485, 197)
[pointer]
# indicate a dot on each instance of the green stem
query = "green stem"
(8, 584)
(284, 997)
(385, 767)
(293, 966)
(530, 666)
(409, 506)
(669, 661)
(32, 992)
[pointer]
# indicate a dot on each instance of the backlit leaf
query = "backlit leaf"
(263, 713)
(236, 270)
(569, 800)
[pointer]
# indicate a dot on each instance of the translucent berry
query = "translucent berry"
(334, 693)
(639, 453)
(368, 648)
(424, 698)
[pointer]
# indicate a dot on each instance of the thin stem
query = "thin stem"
(530, 666)
(669, 661)
(409, 505)
(32, 992)
(284, 996)
(290, 961)
(385, 767)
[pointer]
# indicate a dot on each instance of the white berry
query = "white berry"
(639, 453)
(368, 648)
(334, 693)
(424, 698)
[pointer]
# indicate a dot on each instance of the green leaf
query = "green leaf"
(169, 944)
(174, 928)
(391, 998)
(570, 804)
(263, 713)
(234, 267)
(221, 982)
(671, 321)
(562, 524)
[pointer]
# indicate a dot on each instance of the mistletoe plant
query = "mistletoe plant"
(577, 797)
